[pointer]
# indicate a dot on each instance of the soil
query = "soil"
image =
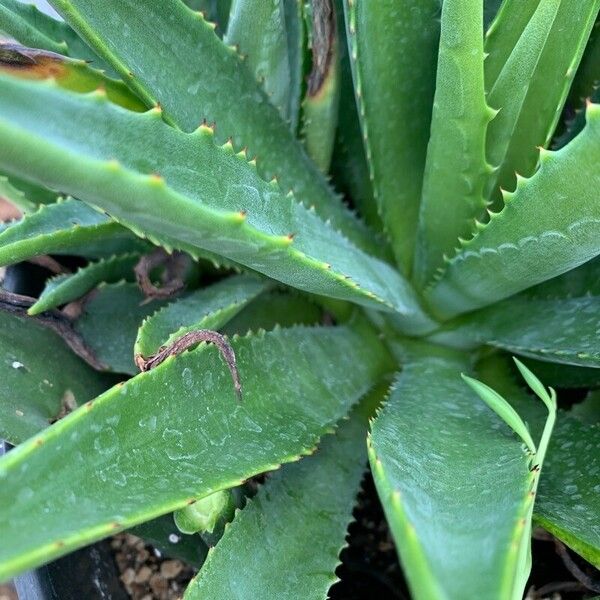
(369, 568)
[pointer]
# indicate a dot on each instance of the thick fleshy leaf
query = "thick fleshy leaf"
(454, 482)
(532, 86)
(321, 102)
(349, 166)
(163, 534)
(25, 23)
(112, 339)
(25, 195)
(66, 227)
(206, 308)
(65, 288)
(587, 78)
(550, 224)
(456, 169)
(568, 501)
(295, 525)
(273, 309)
(268, 35)
(40, 378)
(15, 196)
(387, 39)
(76, 75)
(213, 87)
(236, 214)
(556, 330)
(176, 434)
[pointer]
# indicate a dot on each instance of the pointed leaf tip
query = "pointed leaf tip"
(502, 408)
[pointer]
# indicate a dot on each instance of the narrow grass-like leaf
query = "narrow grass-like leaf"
(456, 168)
(502, 408)
(490, 10)
(65, 288)
(454, 482)
(25, 23)
(295, 525)
(557, 330)
(568, 501)
(236, 215)
(112, 340)
(206, 308)
(550, 224)
(387, 39)
(565, 376)
(67, 227)
(40, 378)
(533, 85)
(176, 434)
(214, 87)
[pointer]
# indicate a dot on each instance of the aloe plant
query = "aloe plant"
(334, 209)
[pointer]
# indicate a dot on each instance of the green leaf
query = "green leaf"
(576, 283)
(62, 289)
(213, 87)
(176, 434)
(273, 309)
(456, 169)
(236, 215)
(215, 11)
(503, 409)
(387, 39)
(164, 536)
(15, 196)
(587, 78)
(490, 9)
(532, 86)
(441, 459)
(76, 75)
(268, 35)
(112, 339)
(66, 227)
(207, 308)
(503, 35)
(588, 411)
(321, 102)
(28, 25)
(568, 502)
(25, 195)
(556, 330)
(550, 224)
(296, 525)
(564, 376)
(349, 163)
(39, 375)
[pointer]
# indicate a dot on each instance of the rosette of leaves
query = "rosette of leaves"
(356, 202)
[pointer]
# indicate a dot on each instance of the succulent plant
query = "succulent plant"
(352, 203)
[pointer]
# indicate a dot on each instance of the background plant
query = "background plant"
(136, 125)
